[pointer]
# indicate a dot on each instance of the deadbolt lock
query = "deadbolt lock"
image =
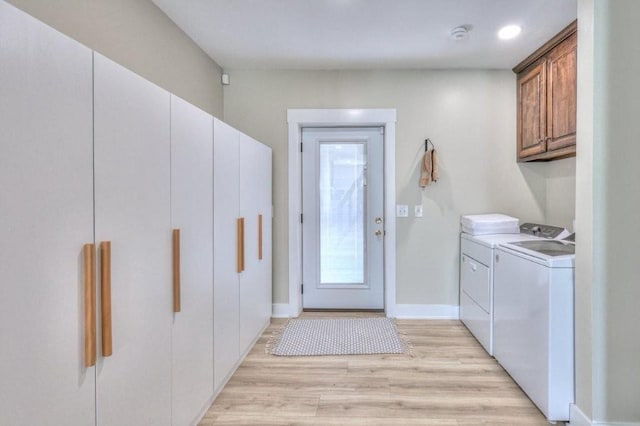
(378, 220)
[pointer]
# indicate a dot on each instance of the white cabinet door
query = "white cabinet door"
(46, 211)
(132, 210)
(255, 310)
(192, 213)
(266, 210)
(266, 203)
(226, 302)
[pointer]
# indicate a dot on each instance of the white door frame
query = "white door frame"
(299, 118)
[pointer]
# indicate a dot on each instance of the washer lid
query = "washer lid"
(551, 253)
(551, 248)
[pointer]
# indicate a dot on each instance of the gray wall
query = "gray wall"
(607, 290)
(139, 36)
(469, 115)
(584, 210)
(616, 237)
(561, 192)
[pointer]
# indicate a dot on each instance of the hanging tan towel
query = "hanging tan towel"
(427, 169)
(434, 166)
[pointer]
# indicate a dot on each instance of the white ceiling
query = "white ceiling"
(366, 34)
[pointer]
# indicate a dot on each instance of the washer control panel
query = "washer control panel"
(543, 231)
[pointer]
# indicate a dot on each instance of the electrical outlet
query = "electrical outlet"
(417, 210)
(402, 210)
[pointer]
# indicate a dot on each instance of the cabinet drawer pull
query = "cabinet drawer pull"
(105, 297)
(176, 270)
(89, 305)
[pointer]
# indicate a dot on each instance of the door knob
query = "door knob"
(378, 233)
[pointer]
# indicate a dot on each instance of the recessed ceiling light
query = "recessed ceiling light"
(509, 32)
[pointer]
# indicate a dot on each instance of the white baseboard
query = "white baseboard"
(613, 424)
(409, 311)
(610, 424)
(403, 311)
(578, 418)
(280, 310)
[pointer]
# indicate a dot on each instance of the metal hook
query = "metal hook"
(426, 145)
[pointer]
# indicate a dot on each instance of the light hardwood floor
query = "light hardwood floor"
(450, 380)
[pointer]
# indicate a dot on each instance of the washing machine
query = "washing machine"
(477, 277)
(533, 320)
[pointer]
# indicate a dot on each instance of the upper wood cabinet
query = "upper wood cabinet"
(546, 85)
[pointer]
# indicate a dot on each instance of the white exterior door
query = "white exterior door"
(132, 210)
(46, 206)
(342, 220)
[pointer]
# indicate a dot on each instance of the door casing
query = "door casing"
(299, 118)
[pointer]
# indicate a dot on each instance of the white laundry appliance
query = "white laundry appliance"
(533, 320)
(476, 272)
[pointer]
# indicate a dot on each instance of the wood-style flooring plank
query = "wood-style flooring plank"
(239, 420)
(449, 380)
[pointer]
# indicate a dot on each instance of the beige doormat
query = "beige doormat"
(338, 336)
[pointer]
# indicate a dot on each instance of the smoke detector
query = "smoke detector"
(460, 33)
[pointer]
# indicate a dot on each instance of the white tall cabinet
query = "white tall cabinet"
(242, 266)
(226, 295)
(90, 154)
(255, 208)
(132, 166)
(46, 216)
(191, 214)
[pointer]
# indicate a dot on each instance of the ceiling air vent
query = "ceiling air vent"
(460, 33)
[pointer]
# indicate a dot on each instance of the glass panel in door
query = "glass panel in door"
(342, 195)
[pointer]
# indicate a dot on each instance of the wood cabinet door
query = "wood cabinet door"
(561, 94)
(532, 111)
(226, 201)
(132, 210)
(46, 206)
(192, 213)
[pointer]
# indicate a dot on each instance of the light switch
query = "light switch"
(402, 210)
(418, 210)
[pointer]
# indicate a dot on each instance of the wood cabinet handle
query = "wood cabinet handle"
(105, 297)
(89, 305)
(240, 244)
(260, 237)
(243, 248)
(176, 270)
